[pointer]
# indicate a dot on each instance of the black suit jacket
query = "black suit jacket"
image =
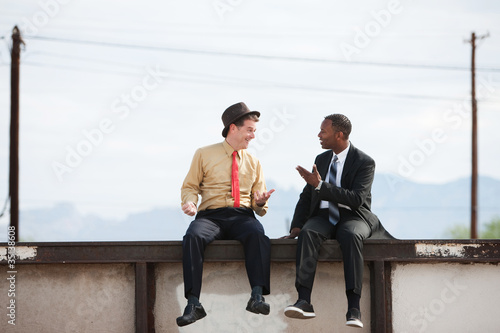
(355, 192)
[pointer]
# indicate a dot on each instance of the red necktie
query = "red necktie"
(235, 181)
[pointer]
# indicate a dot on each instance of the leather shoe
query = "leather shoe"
(191, 314)
(257, 305)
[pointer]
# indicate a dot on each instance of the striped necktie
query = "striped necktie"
(333, 208)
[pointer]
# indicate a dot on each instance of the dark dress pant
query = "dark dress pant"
(349, 232)
(230, 224)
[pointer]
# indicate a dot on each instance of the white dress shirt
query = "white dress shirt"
(340, 167)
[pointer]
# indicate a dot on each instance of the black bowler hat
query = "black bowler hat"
(233, 113)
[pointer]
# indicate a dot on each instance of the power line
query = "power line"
(256, 56)
(4, 209)
(77, 57)
(212, 79)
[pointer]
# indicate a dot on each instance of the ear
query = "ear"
(232, 128)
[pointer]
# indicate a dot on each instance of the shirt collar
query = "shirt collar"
(229, 150)
(343, 154)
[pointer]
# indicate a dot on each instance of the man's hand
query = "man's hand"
(293, 233)
(312, 178)
(261, 198)
(189, 208)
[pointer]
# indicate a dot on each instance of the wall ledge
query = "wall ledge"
(480, 250)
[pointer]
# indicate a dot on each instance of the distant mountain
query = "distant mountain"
(408, 210)
(421, 211)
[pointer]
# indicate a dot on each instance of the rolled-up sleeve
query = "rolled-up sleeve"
(259, 185)
(191, 186)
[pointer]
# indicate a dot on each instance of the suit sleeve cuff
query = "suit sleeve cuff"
(319, 185)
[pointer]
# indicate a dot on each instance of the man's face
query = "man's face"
(243, 135)
(328, 138)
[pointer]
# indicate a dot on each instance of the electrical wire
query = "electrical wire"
(229, 81)
(256, 56)
(7, 200)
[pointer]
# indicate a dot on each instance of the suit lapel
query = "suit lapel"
(349, 161)
(323, 167)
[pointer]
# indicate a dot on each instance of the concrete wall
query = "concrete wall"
(441, 297)
(417, 286)
(226, 291)
(70, 298)
(446, 297)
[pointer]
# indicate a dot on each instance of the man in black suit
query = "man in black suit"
(334, 204)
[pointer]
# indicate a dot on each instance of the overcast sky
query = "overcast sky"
(117, 95)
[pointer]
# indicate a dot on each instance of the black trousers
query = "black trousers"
(349, 232)
(226, 223)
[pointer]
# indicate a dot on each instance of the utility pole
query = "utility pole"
(473, 203)
(14, 131)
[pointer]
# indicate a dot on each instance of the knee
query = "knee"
(192, 237)
(255, 231)
(307, 234)
(308, 237)
(349, 237)
(258, 235)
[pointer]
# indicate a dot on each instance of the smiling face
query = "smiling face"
(326, 135)
(240, 137)
(330, 138)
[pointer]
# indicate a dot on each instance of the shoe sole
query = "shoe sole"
(181, 322)
(354, 323)
(293, 312)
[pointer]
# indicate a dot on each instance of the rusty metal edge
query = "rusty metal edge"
(281, 251)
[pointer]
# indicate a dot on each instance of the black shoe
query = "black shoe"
(300, 310)
(191, 314)
(353, 317)
(257, 304)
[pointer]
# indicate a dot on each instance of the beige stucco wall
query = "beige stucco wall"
(60, 298)
(446, 297)
(441, 297)
(226, 291)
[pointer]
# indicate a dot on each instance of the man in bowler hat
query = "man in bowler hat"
(232, 187)
(335, 203)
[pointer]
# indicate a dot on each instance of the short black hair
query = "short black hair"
(340, 123)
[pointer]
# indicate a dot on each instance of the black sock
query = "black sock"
(352, 300)
(304, 293)
(192, 299)
(257, 290)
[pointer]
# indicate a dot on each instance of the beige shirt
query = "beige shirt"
(210, 177)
